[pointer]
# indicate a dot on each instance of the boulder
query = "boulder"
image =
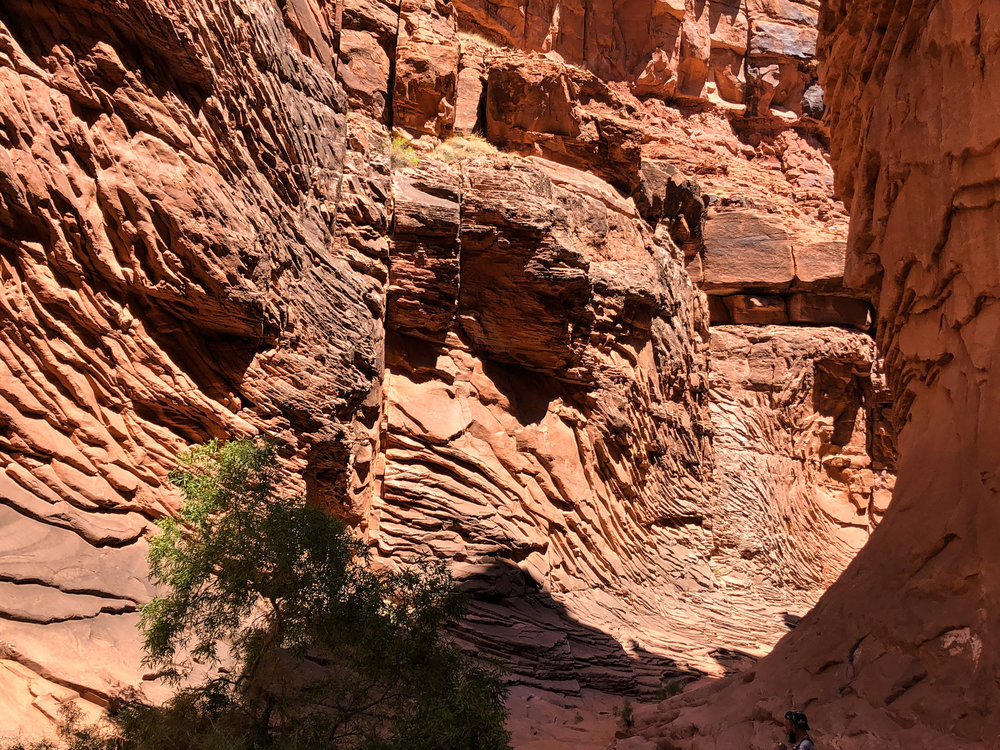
(746, 249)
(535, 106)
(819, 264)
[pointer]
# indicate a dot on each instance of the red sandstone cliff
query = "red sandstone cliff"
(501, 353)
(902, 651)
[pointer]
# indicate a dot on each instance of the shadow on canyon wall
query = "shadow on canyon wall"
(545, 646)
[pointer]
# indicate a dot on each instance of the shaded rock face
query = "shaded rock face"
(901, 652)
(610, 369)
(170, 271)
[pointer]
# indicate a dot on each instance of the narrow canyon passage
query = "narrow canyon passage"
(555, 294)
(901, 651)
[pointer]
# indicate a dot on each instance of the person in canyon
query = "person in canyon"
(798, 732)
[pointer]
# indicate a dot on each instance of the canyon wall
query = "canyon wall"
(902, 651)
(638, 488)
(170, 272)
(555, 294)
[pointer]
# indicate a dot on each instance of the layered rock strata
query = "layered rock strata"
(169, 182)
(803, 451)
(487, 278)
(498, 350)
(901, 651)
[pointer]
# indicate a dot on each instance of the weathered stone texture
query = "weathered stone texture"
(902, 651)
(800, 475)
(689, 52)
(542, 441)
(540, 107)
(423, 279)
(169, 183)
(426, 68)
(504, 359)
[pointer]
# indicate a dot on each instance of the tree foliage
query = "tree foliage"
(292, 635)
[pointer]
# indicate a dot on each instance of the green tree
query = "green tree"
(304, 641)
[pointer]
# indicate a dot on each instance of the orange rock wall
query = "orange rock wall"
(505, 359)
(170, 270)
(724, 51)
(555, 387)
(902, 651)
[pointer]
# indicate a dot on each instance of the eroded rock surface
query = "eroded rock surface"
(901, 652)
(169, 182)
(604, 361)
(801, 473)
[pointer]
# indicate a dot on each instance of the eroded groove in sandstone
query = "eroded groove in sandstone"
(798, 417)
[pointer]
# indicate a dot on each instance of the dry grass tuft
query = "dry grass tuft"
(473, 38)
(460, 147)
(402, 154)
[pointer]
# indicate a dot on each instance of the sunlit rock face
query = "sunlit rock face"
(803, 448)
(637, 489)
(902, 650)
(170, 271)
(608, 367)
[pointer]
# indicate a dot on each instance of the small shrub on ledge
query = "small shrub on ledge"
(459, 147)
(402, 154)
